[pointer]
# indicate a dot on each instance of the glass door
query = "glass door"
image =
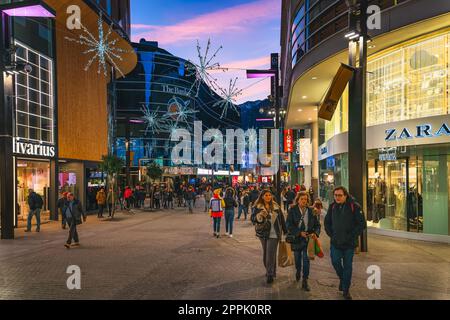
(396, 195)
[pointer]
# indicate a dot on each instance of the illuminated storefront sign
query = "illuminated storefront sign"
(305, 152)
(289, 141)
(421, 131)
(387, 154)
(33, 149)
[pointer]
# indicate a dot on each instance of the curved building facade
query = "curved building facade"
(407, 108)
(164, 85)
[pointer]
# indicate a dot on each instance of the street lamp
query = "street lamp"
(273, 73)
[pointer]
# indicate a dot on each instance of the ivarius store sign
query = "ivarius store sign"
(32, 149)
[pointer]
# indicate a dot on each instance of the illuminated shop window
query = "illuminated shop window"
(34, 97)
(409, 83)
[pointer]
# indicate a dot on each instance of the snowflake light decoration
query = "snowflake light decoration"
(229, 98)
(201, 70)
(155, 123)
(181, 112)
(252, 138)
(103, 48)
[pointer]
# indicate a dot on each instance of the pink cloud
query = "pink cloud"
(235, 19)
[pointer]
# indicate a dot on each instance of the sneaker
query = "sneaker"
(226, 233)
(347, 295)
(38, 230)
(269, 279)
(231, 236)
(76, 244)
(67, 246)
(218, 236)
(27, 230)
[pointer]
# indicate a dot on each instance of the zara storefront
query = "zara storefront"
(408, 140)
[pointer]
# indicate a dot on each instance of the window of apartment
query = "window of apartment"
(34, 97)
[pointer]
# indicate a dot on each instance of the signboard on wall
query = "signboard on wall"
(305, 152)
(289, 141)
(27, 148)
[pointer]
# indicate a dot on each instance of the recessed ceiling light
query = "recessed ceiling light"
(371, 46)
(315, 109)
(314, 78)
(304, 97)
(309, 119)
(300, 110)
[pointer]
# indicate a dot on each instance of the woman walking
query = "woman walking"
(230, 204)
(216, 211)
(270, 225)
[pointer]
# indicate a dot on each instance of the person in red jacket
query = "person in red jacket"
(127, 195)
(216, 211)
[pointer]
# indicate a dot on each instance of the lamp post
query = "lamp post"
(8, 68)
(273, 72)
(358, 37)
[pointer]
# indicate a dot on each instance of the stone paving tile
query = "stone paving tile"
(173, 255)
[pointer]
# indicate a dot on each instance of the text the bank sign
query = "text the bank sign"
(32, 149)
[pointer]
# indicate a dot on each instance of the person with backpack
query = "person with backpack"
(216, 211)
(35, 203)
(302, 224)
(230, 204)
(344, 223)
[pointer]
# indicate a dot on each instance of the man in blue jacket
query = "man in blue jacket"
(344, 223)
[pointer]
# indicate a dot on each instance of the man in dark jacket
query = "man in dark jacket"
(60, 204)
(35, 203)
(290, 196)
(344, 223)
(301, 224)
(75, 216)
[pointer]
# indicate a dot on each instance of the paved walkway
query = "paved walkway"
(173, 255)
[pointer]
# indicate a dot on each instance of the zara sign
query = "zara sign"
(32, 149)
(421, 131)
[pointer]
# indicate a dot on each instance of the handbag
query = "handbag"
(285, 256)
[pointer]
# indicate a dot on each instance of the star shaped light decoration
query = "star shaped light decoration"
(155, 123)
(182, 113)
(203, 68)
(103, 48)
(228, 98)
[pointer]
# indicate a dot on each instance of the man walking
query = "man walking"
(101, 201)
(60, 204)
(190, 196)
(344, 223)
(208, 194)
(75, 216)
(35, 203)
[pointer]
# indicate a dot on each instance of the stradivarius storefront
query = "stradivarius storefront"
(408, 171)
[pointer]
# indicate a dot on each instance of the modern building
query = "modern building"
(54, 110)
(407, 107)
(161, 94)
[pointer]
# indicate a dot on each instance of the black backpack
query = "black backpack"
(229, 203)
(39, 203)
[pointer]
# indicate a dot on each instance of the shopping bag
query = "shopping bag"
(318, 248)
(311, 249)
(285, 256)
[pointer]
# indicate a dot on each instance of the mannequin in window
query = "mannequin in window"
(380, 197)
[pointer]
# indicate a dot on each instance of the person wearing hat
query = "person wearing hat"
(60, 204)
(216, 211)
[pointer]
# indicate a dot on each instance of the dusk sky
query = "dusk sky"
(248, 31)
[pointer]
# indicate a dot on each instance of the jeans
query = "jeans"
(110, 209)
(270, 247)
(100, 210)
(342, 261)
(73, 233)
(302, 257)
(207, 204)
(229, 220)
(216, 225)
(37, 213)
(244, 209)
(190, 205)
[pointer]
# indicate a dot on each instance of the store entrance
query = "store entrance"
(33, 175)
(393, 195)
